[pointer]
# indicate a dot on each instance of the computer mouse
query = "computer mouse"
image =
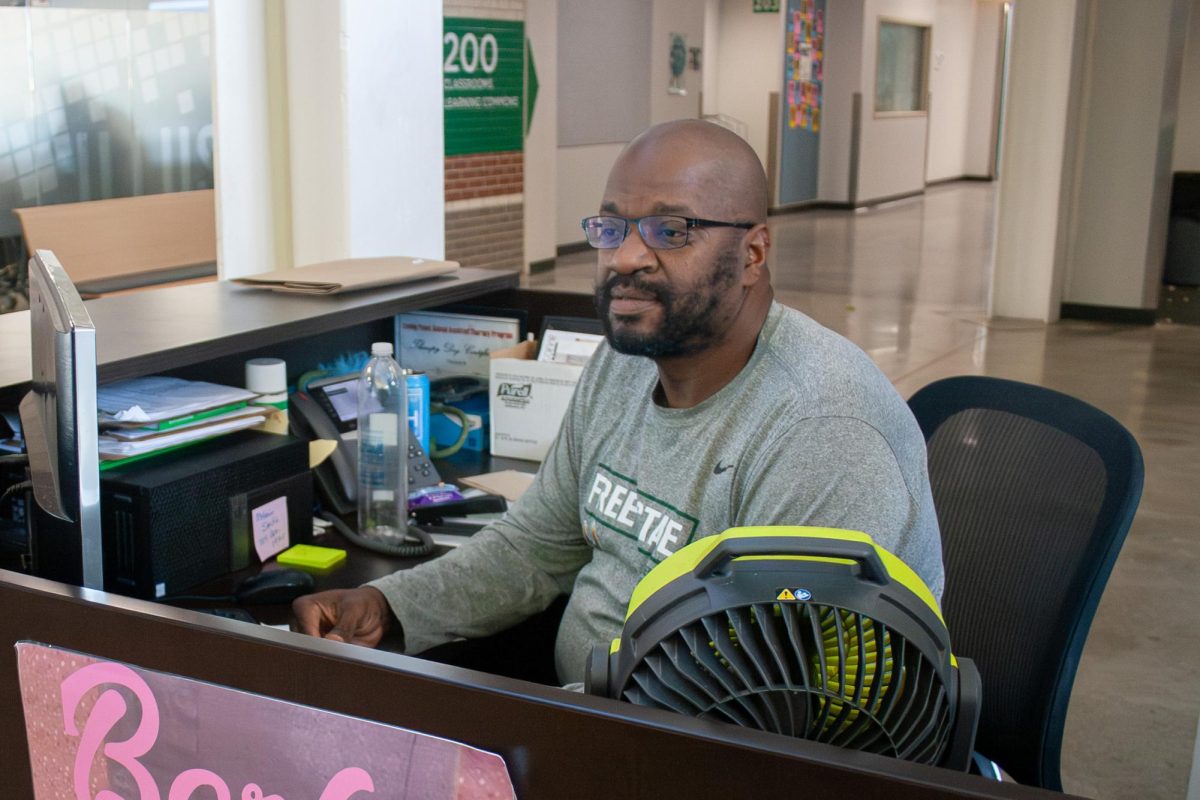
(274, 586)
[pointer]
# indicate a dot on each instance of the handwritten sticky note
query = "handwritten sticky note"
(270, 525)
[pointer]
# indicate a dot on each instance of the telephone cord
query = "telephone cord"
(422, 547)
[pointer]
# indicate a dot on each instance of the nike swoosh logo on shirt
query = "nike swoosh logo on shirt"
(718, 469)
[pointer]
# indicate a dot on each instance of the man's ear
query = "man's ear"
(754, 254)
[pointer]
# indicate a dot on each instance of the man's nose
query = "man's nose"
(632, 254)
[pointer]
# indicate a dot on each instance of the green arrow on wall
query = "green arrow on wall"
(531, 85)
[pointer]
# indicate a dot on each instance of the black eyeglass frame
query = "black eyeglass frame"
(692, 222)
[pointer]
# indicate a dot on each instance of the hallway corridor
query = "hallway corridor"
(908, 283)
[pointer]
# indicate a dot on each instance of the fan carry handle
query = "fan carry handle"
(862, 553)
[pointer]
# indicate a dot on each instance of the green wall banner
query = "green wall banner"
(483, 79)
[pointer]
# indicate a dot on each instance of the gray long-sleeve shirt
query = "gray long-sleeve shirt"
(810, 432)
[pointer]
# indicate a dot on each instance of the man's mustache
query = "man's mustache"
(630, 283)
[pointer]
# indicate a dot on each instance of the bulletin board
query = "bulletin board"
(803, 76)
(805, 63)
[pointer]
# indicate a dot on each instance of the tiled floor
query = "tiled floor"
(907, 282)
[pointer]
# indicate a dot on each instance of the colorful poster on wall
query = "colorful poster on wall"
(101, 728)
(483, 85)
(806, 55)
(800, 118)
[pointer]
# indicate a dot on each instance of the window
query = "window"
(102, 98)
(901, 68)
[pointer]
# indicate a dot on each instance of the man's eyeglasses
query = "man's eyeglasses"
(658, 231)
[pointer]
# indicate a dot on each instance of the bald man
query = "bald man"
(710, 406)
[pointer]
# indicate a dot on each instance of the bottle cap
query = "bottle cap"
(381, 349)
(266, 375)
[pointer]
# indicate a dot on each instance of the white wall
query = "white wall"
(843, 78)
(892, 153)
(1024, 281)
(242, 124)
(983, 98)
(604, 73)
(395, 136)
(711, 44)
(962, 80)
(891, 160)
(1187, 126)
(541, 141)
(582, 170)
(1118, 228)
(315, 70)
(742, 55)
(582, 173)
(685, 17)
(367, 149)
(749, 67)
(951, 76)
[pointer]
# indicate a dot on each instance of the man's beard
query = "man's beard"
(690, 323)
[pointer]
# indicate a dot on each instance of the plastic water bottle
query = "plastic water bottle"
(382, 447)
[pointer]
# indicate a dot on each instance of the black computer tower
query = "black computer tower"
(178, 519)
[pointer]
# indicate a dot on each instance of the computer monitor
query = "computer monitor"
(58, 417)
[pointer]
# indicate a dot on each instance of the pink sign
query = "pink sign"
(102, 730)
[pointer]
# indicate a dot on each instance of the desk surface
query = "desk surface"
(556, 743)
(361, 565)
(164, 329)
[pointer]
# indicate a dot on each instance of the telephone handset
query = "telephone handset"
(329, 410)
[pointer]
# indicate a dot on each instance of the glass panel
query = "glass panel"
(102, 99)
(900, 67)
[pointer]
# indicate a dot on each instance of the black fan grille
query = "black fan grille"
(804, 670)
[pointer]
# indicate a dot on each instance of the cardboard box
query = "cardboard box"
(528, 402)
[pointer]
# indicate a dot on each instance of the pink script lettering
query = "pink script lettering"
(110, 708)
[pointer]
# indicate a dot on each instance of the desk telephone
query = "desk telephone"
(329, 410)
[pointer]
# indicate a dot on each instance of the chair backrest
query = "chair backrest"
(1034, 491)
(124, 242)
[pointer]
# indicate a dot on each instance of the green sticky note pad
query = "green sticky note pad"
(311, 556)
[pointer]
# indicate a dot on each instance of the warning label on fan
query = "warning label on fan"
(790, 595)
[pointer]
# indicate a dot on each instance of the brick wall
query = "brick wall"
(487, 235)
(484, 175)
(485, 208)
(485, 211)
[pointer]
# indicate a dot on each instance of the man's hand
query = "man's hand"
(358, 616)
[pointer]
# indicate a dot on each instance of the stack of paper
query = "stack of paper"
(146, 415)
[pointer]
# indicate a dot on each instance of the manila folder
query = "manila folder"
(348, 275)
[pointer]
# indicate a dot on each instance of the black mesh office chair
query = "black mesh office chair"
(1034, 491)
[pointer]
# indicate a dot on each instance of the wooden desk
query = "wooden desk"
(557, 744)
(171, 328)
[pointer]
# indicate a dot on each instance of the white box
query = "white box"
(528, 402)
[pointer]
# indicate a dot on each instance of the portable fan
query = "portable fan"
(814, 633)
